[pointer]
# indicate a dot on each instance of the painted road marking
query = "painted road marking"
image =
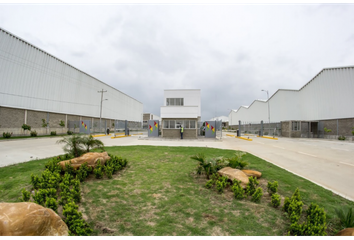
(340, 149)
(278, 147)
(347, 164)
(307, 154)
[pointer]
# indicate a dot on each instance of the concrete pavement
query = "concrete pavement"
(329, 164)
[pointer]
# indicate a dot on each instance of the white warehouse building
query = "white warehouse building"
(36, 85)
(325, 102)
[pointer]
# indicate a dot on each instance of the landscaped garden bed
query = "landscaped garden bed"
(160, 193)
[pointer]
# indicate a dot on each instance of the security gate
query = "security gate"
(210, 129)
(85, 126)
(153, 128)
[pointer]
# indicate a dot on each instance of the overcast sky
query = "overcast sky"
(230, 52)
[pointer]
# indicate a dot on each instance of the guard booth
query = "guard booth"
(210, 129)
(153, 128)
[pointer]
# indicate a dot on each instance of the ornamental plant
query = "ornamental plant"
(33, 133)
(272, 187)
(251, 186)
(26, 195)
(26, 127)
(346, 216)
(257, 195)
(52, 204)
(238, 191)
(73, 218)
(6, 135)
(221, 184)
(237, 162)
(275, 200)
(98, 171)
(53, 133)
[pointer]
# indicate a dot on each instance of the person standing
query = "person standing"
(182, 132)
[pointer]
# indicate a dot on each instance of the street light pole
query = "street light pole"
(268, 109)
(101, 105)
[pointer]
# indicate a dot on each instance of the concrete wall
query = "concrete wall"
(176, 133)
(11, 118)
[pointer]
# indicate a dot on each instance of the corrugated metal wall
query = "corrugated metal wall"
(33, 79)
(329, 95)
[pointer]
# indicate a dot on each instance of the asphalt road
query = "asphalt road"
(327, 163)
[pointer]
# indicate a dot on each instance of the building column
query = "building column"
(26, 116)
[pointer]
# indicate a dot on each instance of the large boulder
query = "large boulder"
(232, 173)
(30, 219)
(91, 158)
(252, 173)
(346, 232)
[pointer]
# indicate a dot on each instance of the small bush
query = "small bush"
(70, 132)
(342, 138)
(346, 216)
(33, 134)
(62, 123)
(257, 195)
(251, 186)
(75, 222)
(26, 195)
(209, 183)
(98, 171)
(315, 224)
(108, 171)
(237, 162)
(53, 133)
(65, 192)
(272, 187)
(69, 169)
(50, 179)
(52, 204)
(26, 127)
(221, 184)
(83, 172)
(275, 200)
(35, 181)
(238, 191)
(40, 197)
(6, 135)
(75, 191)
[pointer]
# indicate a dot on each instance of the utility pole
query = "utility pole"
(101, 105)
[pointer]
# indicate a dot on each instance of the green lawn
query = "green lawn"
(158, 193)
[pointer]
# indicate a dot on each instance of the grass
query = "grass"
(39, 136)
(158, 193)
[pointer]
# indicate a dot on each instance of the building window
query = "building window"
(295, 126)
(174, 102)
(176, 124)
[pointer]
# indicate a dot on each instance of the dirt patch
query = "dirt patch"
(209, 217)
(113, 192)
(217, 231)
(101, 227)
(151, 223)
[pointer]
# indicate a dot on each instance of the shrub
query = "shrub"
(26, 195)
(251, 186)
(73, 219)
(75, 191)
(221, 184)
(40, 197)
(53, 133)
(52, 204)
(272, 187)
(52, 165)
(209, 183)
(341, 138)
(65, 192)
(44, 124)
(69, 169)
(275, 200)
(98, 170)
(237, 162)
(33, 134)
(83, 172)
(35, 181)
(6, 135)
(208, 165)
(257, 195)
(70, 132)
(295, 210)
(62, 123)
(109, 171)
(346, 216)
(50, 179)
(238, 191)
(26, 127)
(327, 130)
(315, 224)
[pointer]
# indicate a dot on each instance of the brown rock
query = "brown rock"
(346, 232)
(252, 173)
(233, 173)
(91, 158)
(30, 219)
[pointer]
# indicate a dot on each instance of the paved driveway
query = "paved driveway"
(327, 163)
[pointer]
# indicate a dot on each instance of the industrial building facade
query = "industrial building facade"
(36, 85)
(323, 107)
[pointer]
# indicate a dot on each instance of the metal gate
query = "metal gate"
(210, 129)
(153, 128)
